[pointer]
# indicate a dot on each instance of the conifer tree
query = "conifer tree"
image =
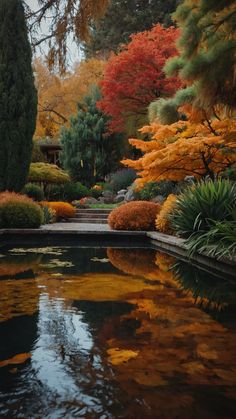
(18, 98)
(89, 152)
(124, 18)
(206, 61)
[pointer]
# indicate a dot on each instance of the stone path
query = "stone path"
(76, 226)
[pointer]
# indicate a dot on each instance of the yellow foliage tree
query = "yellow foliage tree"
(58, 96)
(185, 148)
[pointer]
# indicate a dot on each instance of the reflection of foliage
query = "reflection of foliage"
(18, 298)
(143, 262)
(204, 285)
(11, 266)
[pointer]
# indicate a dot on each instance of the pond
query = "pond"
(87, 332)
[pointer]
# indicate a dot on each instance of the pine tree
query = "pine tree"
(89, 153)
(18, 99)
(124, 18)
(206, 61)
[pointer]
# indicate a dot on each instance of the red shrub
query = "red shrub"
(137, 215)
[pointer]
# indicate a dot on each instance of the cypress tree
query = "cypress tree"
(18, 98)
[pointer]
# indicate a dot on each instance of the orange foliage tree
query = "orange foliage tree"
(184, 148)
(58, 96)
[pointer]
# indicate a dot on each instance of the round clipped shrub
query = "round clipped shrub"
(34, 192)
(63, 210)
(163, 218)
(137, 215)
(19, 211)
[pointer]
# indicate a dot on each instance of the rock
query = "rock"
(129, 196)
(122, 192)
(91, 200)
(119, 198)
(159, 199)
(108, 197)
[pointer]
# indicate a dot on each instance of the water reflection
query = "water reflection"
(113, 334)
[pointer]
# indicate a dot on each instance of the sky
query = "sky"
(74, 52)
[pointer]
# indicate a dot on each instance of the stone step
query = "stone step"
(88, 220)
(93, 210)
(102, 216)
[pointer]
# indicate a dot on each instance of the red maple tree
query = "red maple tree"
(134, 78)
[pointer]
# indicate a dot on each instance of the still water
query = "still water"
(114, 333)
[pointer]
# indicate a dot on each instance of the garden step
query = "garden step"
(88, 220)
(92, 211)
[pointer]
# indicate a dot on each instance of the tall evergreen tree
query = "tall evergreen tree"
(207, 55)
(89, 152)
(18, 98)
(126, 17)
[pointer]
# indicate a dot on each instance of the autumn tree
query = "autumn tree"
(64, 18)
(185, 148)
(206, 61)
(124, 18)
(18, 99)
(89, 153)
(135, 77)
(59, 95)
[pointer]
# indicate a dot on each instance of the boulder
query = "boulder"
(119, 198)
(108, 197)
(91, 200)
(129, 196)
(159, 199)
(122, 192)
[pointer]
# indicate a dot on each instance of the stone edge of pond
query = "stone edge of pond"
(176, 246)
(164, 242)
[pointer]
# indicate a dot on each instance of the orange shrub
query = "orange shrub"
(62, 209)
(137, 215)
(163, 221)
(13, 196)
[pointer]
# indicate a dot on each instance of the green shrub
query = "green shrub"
(152, 189)
(200, 205)
(34, 192)
(121, 180)
(20, 214)
(219, 241)
(49, 215)
(68, 192)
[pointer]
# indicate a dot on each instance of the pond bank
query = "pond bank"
(75, 231)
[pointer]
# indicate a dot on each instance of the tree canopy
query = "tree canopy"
(207, 51)
(64, 18)
(135, 77)
(124, 18)
(185, 149)
(58, 96)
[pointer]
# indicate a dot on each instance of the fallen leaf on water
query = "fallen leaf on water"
(119, 356)
(17, 359)
(104, 260)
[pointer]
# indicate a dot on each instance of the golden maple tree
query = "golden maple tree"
(58, 96)
(185, 148)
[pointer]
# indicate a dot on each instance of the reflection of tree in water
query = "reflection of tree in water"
(210, 290)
